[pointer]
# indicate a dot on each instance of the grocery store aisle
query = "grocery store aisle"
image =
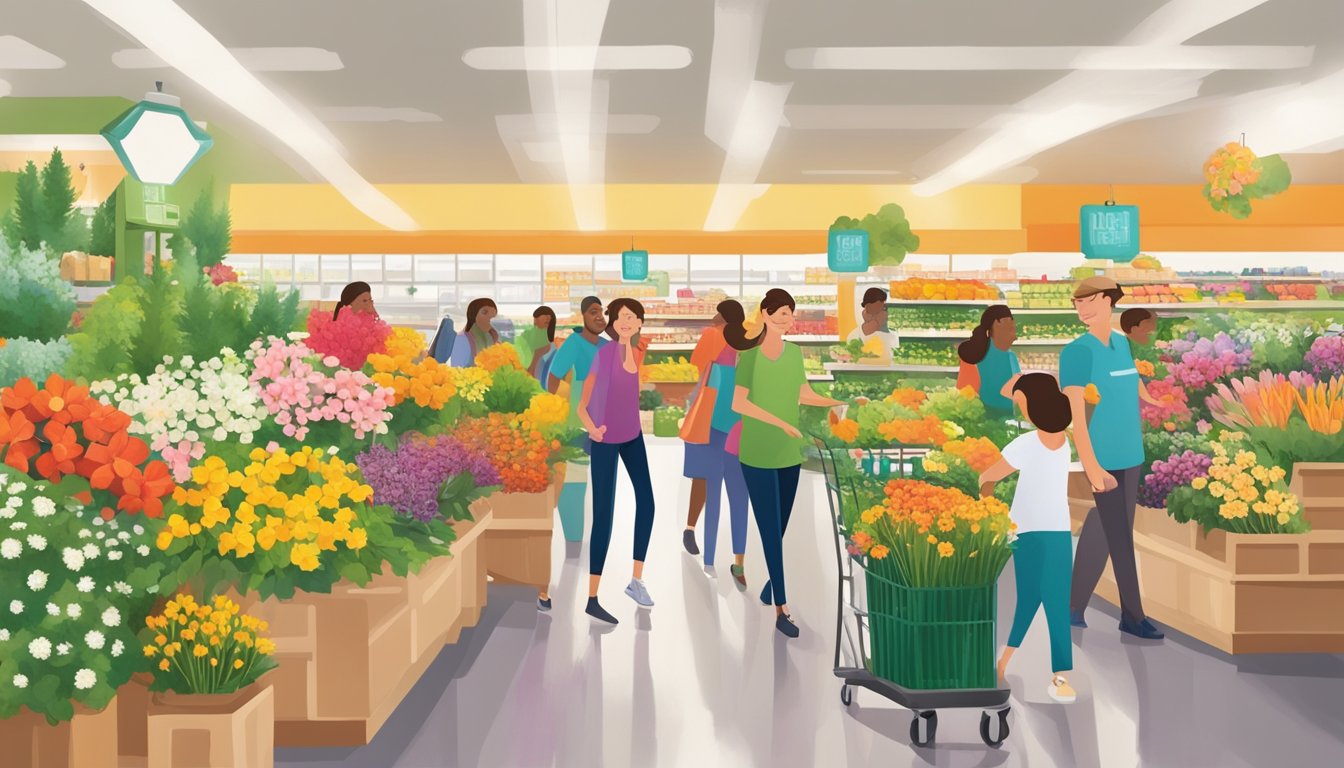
(704, 680)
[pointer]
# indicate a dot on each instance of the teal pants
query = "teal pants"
(1043, 565)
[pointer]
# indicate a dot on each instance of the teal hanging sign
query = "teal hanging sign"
(635, 266)
(847, 250)
(1109, 232)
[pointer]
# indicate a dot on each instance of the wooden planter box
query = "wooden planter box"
(347, 659)
(1240, 593)
(89, 740)
(232, 730)
(1320, 490)
(518, 544)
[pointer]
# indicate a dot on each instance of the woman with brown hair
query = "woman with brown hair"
(479, 331)
(990, 350)
(358, 296)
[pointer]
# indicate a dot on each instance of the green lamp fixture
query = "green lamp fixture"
(155, 139)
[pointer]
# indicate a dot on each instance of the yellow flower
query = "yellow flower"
(164, 665)
(151, 651)
(945, 549)
(200, 650)
(1217, 489)
(304, 556)
(188, 634)
(237, 663)
(1199, 483)
(872, 515)
(933, 539)
(879, 552)
(358, 539)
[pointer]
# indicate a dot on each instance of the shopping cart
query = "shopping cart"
(852, 640)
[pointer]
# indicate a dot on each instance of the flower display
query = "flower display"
(978, 452)
(928, 430)
(405, 343)
(1292, 418)
(518, 448)
(1265, 401)
(1167, 474)
(182, 405)
(59, 431)
(907, 397)
(1240, 494)
(498, 356)
(209, 647)
(299, 391)
(1326, 356)
(846, 430)
(426, 478)
(350, 338)
(1234, 176)
(473, 383)
(220, 273)
(929, 536)
(428, 383)
(74, 584)
(1197, 363)
(1173, 407)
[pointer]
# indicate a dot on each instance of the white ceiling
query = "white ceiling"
(388, 83)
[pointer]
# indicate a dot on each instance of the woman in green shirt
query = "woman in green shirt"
(479, 331)
(770, 388)
(536, 343)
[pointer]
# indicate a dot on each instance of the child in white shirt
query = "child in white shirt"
(1043, 553)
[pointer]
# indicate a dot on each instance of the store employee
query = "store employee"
(874, 325)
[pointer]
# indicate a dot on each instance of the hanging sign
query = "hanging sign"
(1109, 232)
(635, 266)
(847, 250)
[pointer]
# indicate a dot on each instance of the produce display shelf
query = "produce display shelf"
(933, 333)
(896, 368)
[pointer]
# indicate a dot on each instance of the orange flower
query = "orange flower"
(846, 430)
(908, 398)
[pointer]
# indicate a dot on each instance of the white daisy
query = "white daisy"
(18, 526)
(74, 560)
(53, 609)
(142, 550)
(95, 640)
(114, 555)
(111, 617)
(44, 507)
(117, 648)
(85, 679)
(91, 551)
(37, 580)
(10, 549)
(85, 584)
(139, 530)
(38, 543)
(4, 635)
(16, 606)
(74, 611)
(63, 649)
(40, 648)
(20, 681)
(122, 587)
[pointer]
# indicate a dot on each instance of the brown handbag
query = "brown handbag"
(695, 427)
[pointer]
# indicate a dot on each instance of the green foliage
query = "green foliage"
(159, 334)
(650, 399)
(103, 238)
(35, 303)
(36, 360)
(959, 474)
(26, 219)
(457, 494)
(889, 234)
(43, 213)
(1006, 488)
(58, 204)
(273, 314)
(511, 391)
(207, 231)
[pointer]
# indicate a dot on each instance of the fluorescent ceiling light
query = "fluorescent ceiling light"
(543, 151)
(517, 58)
(1113, 58)
(17, 53)
(549, 125)
(45, 142)
(164, 28)
(735, 54)
(253, 59)
(376, 115)
(877, 117)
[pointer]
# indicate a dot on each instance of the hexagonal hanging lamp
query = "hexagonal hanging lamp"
(155, 139)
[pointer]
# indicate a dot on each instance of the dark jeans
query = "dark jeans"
(1108, 533)
(772, 492)
(604, 498)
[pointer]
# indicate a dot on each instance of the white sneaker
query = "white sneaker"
(1061, 692)
(639, 593)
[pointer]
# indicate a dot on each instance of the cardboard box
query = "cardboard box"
(88, 740)
(75, 267)
(234, 730)
(100, 269)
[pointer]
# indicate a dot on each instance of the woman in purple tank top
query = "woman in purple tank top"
(609, 410)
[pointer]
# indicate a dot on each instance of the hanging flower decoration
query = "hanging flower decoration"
(1234, 177)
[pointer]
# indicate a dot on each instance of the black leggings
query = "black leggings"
(604, 498)
(772, 492)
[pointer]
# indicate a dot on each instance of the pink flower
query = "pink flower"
(350, 338)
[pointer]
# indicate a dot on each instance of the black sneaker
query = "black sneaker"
(599, 613)
(544, 605)
(784, 623)
(1143, 630)
(688, 541)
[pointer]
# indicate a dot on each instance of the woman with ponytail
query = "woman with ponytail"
(358, 296)
(479, 330)
(989, 351)
(770, 388)
(711, 466)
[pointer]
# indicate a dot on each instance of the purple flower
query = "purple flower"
(1167, 475)
(1326, 356)
(409, 479)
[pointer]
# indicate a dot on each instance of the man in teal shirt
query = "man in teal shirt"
(577, 354)
(1110, 446)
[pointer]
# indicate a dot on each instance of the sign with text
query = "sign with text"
(1110, 232)
(635, 265)
(847, 250)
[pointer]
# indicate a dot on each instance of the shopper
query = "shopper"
(1110, 446)
(1139, 325)
(990, 350)
(536, 343)
(610, 411)
(576, 354)
(873, 309)
(711, 466)
(479, 330)
(358, 296)
(770, 387)
(1043, 552)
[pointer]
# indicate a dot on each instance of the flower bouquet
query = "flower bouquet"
(350, 338)
(83, 447)
(1240, 494)
(424, 391)
(285, 521)
(428, 478)
(1326, 356)
(522, 447)
(1173, 407)
(306, 393)
(74, 584)
(1167, 474)
(1234, 177)
(497, 357)
(1198, 363)
(206, 648)
(1293, 418)
(185, 409)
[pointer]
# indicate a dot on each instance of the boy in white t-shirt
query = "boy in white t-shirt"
(1043, 552)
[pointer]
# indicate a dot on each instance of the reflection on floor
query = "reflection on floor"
(704, 680)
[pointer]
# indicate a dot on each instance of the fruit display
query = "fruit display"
(1042, 295)
(1296, 291)
(925, 353)
(920, 289)
(941, 318)
(1038, 360)
(819, 276)
(678, 371)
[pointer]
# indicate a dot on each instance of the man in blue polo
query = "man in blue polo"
(577, 354)
(1110, 446)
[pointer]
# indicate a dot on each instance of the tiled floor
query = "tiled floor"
(703, 680)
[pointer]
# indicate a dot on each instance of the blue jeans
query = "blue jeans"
(725, 474)
(636, 461)
(772, 492)
(1043, 566)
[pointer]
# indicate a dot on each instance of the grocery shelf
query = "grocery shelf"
(934, 333)
(896, 368)
(811, 339)
(820, 377)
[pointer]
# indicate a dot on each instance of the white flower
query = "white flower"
(220, 434)
(85, 584)
(63, 649)
(91, 551)
(18, 488)
(95, 522)
(40, 648)
(111, 617)
(95, 640)
(37, 580)
(7, 512)
(142, 550)
(100, 535)
(74, 611)
(10, 549)
(124, 536)
(122, 587)
(53, 609)
(139, 530)
(16, 606)
(44, 507)
(20, 681)
(114, 555)
(18, 526)
(117, 648)
(4, 635)
(85, 679)
(38, 543)
(74, 560)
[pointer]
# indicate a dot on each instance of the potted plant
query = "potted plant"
(211, 705)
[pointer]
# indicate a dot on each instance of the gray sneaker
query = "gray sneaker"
(639, 593)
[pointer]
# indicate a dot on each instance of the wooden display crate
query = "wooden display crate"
(1320, 490)
(234, 730)
(88, 740)
(517, 547)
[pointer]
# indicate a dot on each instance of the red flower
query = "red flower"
(64, 449)
(17, 433)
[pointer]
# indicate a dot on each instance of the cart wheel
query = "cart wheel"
(846, 695)
(924, 728)
(994, 730)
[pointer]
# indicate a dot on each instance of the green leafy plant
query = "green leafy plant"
(103, 235)
(889, 235)
(35, 303)
(207, 230)
(206, 648)
(57, 209)
(650, 399)
(511, 391)
(24, 228)
(36, 360)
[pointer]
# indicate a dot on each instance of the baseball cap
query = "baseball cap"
(1094, 285)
